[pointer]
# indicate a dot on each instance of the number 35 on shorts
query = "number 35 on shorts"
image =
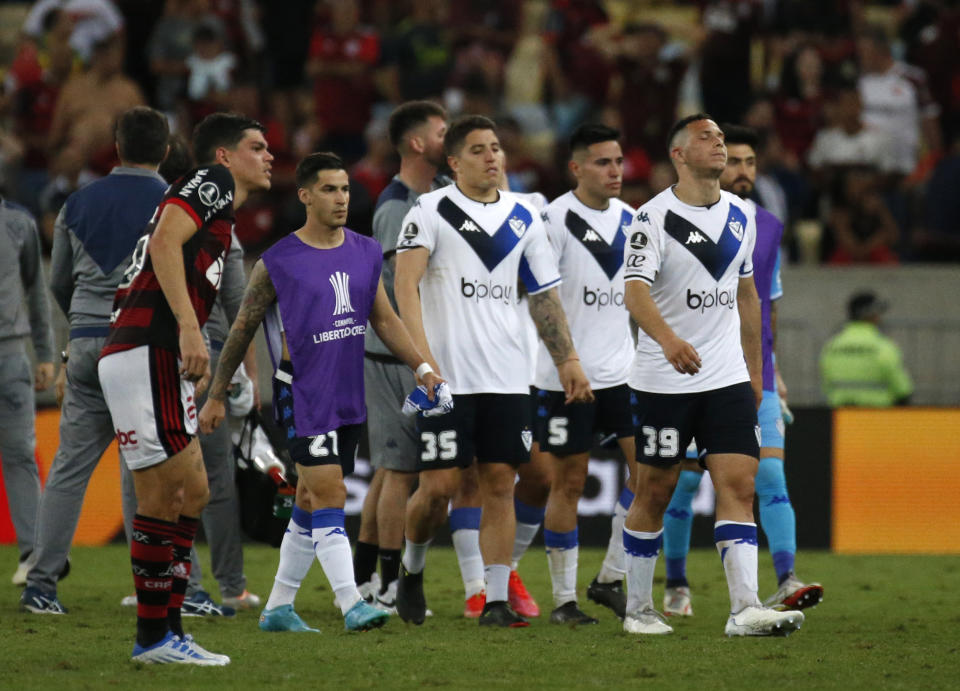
(664, 443)
(442, 445)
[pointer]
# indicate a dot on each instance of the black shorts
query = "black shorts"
(336, 447)
(565, 430)
(494, 428)
(723, 421)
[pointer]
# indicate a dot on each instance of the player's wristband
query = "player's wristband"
(424, 369)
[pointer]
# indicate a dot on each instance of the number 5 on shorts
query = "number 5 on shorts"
(446, 441)
(665, 444)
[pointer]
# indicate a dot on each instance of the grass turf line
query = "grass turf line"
(889, 622)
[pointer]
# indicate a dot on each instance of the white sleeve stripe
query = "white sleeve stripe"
(638, 277)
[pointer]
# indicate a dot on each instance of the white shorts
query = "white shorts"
(153, 409)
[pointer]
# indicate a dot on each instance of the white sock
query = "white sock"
(615, 562)
(296, 558)
(466, 543)
(521, 541)
(563, 573)
(737, 545)
(497, 577)
(641, 555)
(332, 546)
(415, 556)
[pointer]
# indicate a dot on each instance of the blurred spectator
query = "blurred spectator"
(931, 31)
(860, 366)
(171, 43)
(374, 170)
(94, 21)
(287, 27)
(210, 72)
(896, 100)
(524, 172)
(343, 58)
(938, 238)
(863, 228)
(88, 106)
(729, 27)
(484, 33)
(419, 56)
(848, 142)
(33, 99)
(577, 32)
(644, 88)
(799, 104)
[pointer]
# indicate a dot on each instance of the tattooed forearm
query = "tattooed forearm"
(258, 296)
(547, 313)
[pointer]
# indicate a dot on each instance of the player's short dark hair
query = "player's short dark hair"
(142, 135)
(179, 159)
(681, 124)
(409, 115)
(308, 168)
(461, 127)
(739, 134)
(220, 129)
(592, 133)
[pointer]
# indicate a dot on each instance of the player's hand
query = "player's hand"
(574, 382)
(430, 380)
(781, 386)
(682, 356)
(211, 415)
(43, 376)
(60, 385)
(194, 358)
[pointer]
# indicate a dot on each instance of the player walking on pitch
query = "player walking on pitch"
(696, 372)
(315, 290)
(154, 355)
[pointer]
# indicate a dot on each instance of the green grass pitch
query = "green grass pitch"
(887, 622)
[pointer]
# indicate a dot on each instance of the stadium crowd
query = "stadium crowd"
(857, 103)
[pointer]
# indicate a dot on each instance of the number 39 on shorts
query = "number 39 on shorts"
(664, 443)
(442, 445)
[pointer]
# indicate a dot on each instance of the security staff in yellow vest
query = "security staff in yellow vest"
(860, 366)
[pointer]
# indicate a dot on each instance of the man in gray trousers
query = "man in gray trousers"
(94, 236)
(21, 281)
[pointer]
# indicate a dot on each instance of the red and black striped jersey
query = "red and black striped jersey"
(141, 314)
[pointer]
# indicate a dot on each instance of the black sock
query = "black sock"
(364, 561)
(389, 567)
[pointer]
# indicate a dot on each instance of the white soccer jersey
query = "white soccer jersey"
(693, 258)
(468, 293)
(589, 246)
(531, 338)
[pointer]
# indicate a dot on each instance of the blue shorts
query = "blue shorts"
(771, 424)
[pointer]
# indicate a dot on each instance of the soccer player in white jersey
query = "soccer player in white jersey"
(696, 372)
(586, 228)
(460, 252)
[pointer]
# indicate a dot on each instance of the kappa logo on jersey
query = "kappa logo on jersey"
(716, 257)
(469, 227)
(209, 193)
(490, 248)
(694, 238)
(608, 256)
(341, 291)
(215, 272)
(638, 240)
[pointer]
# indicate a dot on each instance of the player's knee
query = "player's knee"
(655, 493)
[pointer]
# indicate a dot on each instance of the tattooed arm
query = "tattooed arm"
(259, 295)
(547, 314)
